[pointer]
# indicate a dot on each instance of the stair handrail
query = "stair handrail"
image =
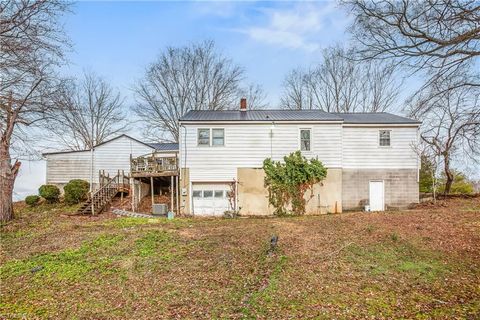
(101, 190)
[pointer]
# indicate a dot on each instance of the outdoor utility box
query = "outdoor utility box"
(160, 209)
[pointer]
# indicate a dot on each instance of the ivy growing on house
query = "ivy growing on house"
(288, 181)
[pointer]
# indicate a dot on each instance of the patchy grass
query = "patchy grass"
(422, 264)
(69, 264)
(388, 259)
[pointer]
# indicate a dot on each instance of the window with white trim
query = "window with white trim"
(384, 138)
(203, 137)
(218, 137)
(305, 139)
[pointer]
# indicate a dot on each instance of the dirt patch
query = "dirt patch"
(421, 263)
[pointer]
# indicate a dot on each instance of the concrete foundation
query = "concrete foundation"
(346, 189)
(325, 197)
(185, 191)
(252, 194)
(401, 187)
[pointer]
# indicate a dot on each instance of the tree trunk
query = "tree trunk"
(8, 173)
(448, 175)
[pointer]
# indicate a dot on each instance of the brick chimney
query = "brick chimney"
(243, 104)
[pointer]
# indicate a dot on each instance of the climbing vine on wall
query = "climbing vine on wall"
(288, 181)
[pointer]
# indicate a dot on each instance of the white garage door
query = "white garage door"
(210, 199)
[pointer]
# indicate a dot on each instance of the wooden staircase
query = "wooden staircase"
(100, 199)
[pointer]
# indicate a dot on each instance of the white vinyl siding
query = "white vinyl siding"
(63, 167)
(361, 148)
(214, 174)
(247, 145)
(111, 157)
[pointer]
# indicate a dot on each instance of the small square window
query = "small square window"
(305, 139)
(207, 193)
(384, 138)
(218, 137)
(197, 194)
(203, 137)
(218, 193)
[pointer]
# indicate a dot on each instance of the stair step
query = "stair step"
(99, 201)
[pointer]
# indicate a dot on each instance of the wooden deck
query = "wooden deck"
(154, 174)
(153, 165)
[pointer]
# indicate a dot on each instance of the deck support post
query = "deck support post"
(133, 195)
(171, 193)
(151, 189)
(177, 194)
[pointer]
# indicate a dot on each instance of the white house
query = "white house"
(217, 165)
(370, 158)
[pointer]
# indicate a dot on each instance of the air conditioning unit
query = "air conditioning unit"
(160, 209)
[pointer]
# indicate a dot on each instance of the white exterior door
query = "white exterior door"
(376, 196)
(210, 199)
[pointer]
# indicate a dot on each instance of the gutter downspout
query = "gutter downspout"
(181, 143)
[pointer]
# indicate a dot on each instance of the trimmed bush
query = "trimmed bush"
(49, 192)
(76, 191)
(32, 200)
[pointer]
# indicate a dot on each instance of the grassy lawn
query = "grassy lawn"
(421, 264)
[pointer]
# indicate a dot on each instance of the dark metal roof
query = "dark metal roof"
(374, 118)
(259, 115)
(295, 115)
(164, 146)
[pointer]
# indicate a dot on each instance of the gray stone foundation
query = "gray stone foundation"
(401, 187)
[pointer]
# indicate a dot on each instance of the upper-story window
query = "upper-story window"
(384, 138)
(218, 137)
(305, 139)
(211, 137)
(203, 137)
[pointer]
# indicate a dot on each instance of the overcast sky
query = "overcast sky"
(117, 40)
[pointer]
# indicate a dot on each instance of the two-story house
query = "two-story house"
(370, 157)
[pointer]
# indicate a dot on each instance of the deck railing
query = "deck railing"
(152, 163)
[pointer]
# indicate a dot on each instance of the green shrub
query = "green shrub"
(49, 192)
(76, 191)
(461, 184)
(288, 181)
(32, 200)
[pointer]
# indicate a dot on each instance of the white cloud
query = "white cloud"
(296, 27)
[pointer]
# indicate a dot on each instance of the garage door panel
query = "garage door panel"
(210, 199)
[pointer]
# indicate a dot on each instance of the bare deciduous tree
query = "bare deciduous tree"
(32, 43)
(194, 77)
(340, 84)
(90, 112)
(433, 36)
(297, 94)
(451, 122)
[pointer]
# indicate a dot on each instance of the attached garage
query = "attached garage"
(210, 199)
